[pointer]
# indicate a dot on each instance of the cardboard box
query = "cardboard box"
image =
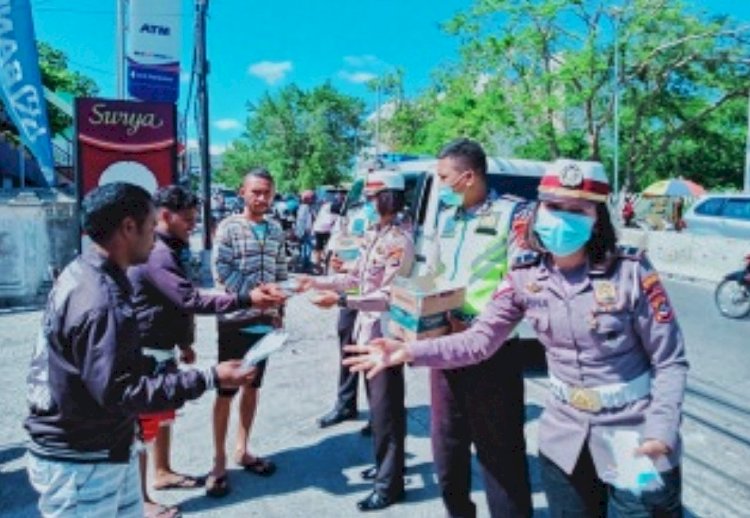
(418, 310)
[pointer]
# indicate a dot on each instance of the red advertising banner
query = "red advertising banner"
(125, 141)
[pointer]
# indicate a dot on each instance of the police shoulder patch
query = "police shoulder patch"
(657, 297)
(630, 252)
(526, 259)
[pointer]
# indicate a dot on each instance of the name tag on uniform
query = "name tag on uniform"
(487, 223)
(449, 228)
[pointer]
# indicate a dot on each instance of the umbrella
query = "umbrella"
(674, 187)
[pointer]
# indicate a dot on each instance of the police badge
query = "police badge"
(571, 176)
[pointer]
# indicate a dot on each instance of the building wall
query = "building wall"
(38, 234)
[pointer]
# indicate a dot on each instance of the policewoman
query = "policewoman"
(387, 252)
(616, 356)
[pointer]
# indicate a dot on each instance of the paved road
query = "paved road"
(318, 469)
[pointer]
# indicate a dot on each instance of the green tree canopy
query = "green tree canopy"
(548, 73)
(304, 138)
(57, 76)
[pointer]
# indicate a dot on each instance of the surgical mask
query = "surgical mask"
(451, 198)
(370, 211)
(563, 233)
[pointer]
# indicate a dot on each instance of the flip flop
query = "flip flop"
(217, 487)
(163, 511)
(260, 466)
(184, 482)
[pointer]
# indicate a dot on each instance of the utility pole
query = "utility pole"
(120, 48)
(377, 119)
(616, 16)
(746, 185)
(202, 101)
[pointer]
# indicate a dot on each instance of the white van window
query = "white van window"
(737, 208)
(711, 207)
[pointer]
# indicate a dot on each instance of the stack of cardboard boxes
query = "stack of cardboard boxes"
(419, 310)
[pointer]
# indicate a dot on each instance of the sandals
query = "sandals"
(217, 487)
(162, 511)
(183, 482)
(259, 466)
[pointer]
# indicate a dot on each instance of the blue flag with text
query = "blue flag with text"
(20, 83)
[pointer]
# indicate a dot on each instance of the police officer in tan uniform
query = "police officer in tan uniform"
(387, 252)
(616, 355)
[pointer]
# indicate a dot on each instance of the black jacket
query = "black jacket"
(88, 379)
(165, 299)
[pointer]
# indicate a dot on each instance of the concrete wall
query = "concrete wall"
(706, 258)
(37, 234)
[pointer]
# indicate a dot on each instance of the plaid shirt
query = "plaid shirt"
(246, 258)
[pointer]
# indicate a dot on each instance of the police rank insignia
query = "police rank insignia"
(605, 293)
(571, 176)
(533, 287)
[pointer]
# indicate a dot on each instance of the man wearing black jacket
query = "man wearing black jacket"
(166, 301)
(88, 379)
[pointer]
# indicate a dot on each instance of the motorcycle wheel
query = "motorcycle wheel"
(732, 299)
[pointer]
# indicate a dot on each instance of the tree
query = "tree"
(684, 80)
(56, 76)
(469, 105)
(304, 138)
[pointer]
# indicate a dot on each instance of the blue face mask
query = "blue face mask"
(450, 197)
(563, 233)
(371, 212)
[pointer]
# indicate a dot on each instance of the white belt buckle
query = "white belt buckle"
(585, 399)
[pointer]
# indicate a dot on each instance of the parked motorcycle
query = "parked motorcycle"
(732, 295)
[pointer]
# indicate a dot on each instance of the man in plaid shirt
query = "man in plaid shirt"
(249, 252)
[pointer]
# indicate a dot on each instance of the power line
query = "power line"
(89, 67)
(94, 12)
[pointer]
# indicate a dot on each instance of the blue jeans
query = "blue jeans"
(79, 489)
(582, 494)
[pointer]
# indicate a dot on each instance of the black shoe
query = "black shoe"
(369, 473)
(375, 501)
(372, 472)
(366, 429)
(336, 416)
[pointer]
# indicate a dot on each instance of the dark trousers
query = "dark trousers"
(583, 494)
(481, 405)
(346, 396)
(385, 394)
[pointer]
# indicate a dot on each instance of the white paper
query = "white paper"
(632, 472)
(289, 287)
(269, 344)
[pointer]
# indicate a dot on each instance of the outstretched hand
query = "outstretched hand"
(306, 282)
(325, 299)
(376, 356)
(652, 448)
(267, 296)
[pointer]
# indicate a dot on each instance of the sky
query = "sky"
(254, 46)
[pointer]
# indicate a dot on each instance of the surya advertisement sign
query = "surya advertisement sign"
(125, 141)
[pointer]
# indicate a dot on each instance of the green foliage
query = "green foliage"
(547, 69)
(304, 138)
(56, 76)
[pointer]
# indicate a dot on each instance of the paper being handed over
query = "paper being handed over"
(269, 344)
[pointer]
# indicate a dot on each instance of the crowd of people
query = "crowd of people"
(120, 318)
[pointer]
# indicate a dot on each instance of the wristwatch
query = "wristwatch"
(343, 300)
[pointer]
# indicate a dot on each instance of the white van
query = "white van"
(726, 215)
(518, 178)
